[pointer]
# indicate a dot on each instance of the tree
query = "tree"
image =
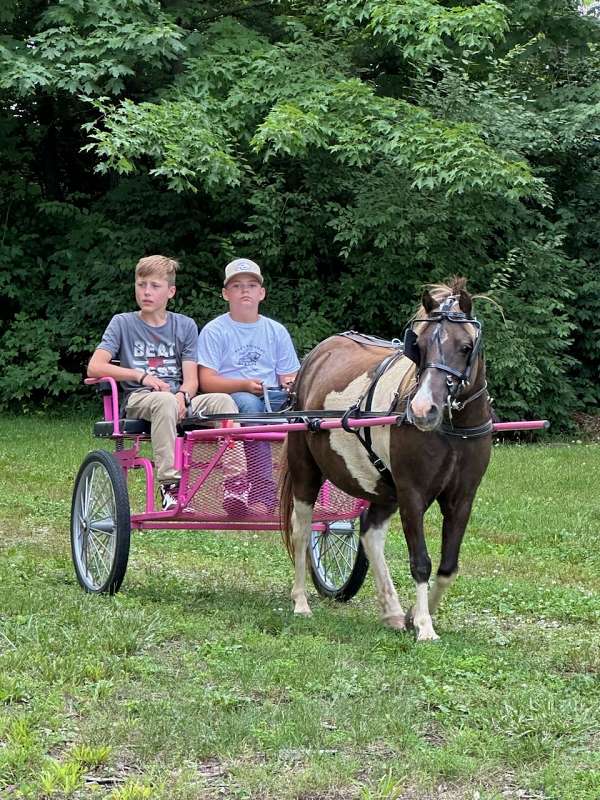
(361, 148)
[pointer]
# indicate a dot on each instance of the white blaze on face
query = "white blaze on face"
(423, 400)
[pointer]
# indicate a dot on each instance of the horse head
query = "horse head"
(444, 341)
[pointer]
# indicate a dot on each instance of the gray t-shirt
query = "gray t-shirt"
(160, 351)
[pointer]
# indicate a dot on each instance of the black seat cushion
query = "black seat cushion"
(133, 427)
(137, 427)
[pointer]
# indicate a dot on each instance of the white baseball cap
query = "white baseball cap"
(242, 266)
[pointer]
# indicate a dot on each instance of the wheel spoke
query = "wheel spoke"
(97, 554)
(95, 525)
(333, 554)
(104, 542)
(341, 548)
(335, 551)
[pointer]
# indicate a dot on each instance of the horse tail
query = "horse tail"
(286, 502)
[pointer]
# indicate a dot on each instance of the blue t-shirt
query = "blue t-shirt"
(260, 350)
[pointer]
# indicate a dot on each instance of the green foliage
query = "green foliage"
(357, 149)
(423, 31)
(528, 340)
(175, 135)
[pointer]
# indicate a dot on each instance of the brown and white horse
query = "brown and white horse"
(441, 453)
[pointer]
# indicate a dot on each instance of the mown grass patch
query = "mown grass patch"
(196, 681)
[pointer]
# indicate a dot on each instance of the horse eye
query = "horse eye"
(466, 349)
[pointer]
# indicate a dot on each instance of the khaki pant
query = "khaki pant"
(161, 409)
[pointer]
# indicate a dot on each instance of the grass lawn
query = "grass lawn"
(196, 681)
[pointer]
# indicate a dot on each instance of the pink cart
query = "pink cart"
(218, 472)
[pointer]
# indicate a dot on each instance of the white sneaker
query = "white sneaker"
(168, 494)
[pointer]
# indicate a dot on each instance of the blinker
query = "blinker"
(411, 347)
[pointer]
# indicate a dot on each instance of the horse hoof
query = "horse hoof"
(427, 636)
(396, 622)
(302, 612)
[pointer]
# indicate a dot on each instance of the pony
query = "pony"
(439, 451)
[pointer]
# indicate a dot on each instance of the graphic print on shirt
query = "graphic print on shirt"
(158, 359)
(248, 355)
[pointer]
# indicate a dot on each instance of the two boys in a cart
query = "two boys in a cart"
(166, 370)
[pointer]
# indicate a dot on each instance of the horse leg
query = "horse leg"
(306, 480)
(301, 527)
(420, 568)
(373, 532)
(456, 515)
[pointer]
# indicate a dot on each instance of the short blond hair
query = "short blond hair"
(163, 267)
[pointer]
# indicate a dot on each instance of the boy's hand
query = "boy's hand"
(254, 387)
(181, 409)
(155, 384)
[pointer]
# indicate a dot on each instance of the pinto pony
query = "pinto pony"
(440, 451)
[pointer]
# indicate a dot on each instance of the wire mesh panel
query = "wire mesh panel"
(242, 484)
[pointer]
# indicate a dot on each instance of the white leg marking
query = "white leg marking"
(391, 610)
(421, 617)
(440, 586)
(301, 522)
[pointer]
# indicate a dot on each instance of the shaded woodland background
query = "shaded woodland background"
(356, 149)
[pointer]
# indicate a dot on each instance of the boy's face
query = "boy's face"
(153, 293)
(244, 292)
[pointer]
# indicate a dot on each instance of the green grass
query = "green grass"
(196, 681)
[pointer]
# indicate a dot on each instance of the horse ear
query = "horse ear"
(464, 302)
(428, 302)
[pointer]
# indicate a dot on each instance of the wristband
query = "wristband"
(141, 379)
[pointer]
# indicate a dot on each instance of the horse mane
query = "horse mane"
(440, 291)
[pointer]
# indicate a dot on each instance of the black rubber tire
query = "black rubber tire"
(100, 524)
(337, 584)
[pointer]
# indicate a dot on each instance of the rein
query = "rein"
(403, 348)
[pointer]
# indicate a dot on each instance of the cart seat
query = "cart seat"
(131, 427)
(141, 427)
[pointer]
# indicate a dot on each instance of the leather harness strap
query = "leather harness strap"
(356, 411)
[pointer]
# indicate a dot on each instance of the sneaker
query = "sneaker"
(168, 495)
(235, 496)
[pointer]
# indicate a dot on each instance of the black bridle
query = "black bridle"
(456, 380)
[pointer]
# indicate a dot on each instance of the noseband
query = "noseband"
(455, 380)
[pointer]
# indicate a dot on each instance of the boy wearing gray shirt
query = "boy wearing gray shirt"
(158, 368)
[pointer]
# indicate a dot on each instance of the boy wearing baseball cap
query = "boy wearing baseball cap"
(244, 353)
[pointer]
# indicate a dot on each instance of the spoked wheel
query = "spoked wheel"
(100, 524)
(338, 563)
